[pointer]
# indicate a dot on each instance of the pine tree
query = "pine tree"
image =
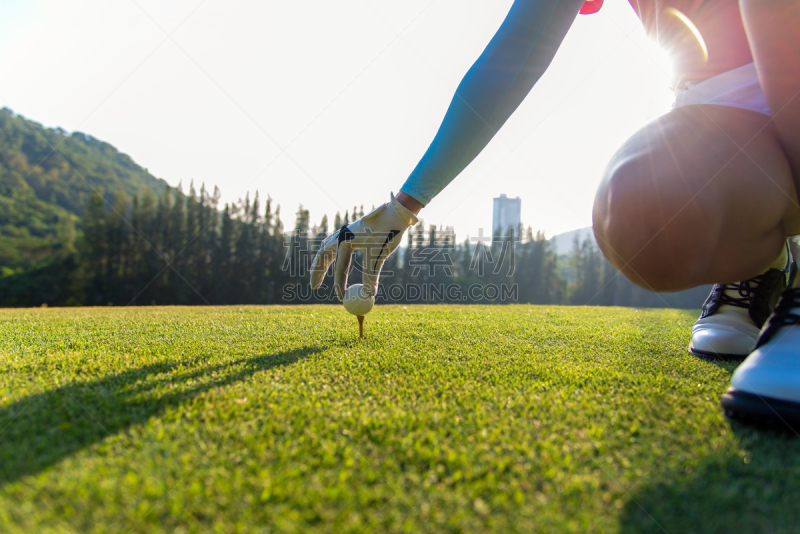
(586, 265)
(139, 247)
(277, 226)
(268, 215)
(243, 280)
(118, 250)
(173, 286)
(254, 215)
(94, 249)
(224, 261)
(191, 250)
(199, 246)
(302, 222)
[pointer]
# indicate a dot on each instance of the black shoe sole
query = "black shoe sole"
(708, 355)
(761, 410)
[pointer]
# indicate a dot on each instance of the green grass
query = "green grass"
(445, 419)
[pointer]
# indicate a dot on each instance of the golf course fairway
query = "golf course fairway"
(442, 419)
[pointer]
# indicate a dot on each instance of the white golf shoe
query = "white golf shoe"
(766, 387)
(733, 314)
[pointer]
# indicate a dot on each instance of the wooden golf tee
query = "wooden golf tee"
(360, 325)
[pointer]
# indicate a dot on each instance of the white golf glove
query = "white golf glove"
(377, 234)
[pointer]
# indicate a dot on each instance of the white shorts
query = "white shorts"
(738, 88)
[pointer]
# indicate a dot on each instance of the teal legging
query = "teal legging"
(492, 89)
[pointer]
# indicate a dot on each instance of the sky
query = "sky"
(330, 104)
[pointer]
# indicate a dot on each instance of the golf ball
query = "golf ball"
(356, 300)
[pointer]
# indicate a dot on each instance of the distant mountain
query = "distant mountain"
(563, 243)
(46, 178)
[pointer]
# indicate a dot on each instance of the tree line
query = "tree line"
(184, 248)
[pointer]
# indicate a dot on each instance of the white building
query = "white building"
(506, 215)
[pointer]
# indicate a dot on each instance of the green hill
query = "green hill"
(46, 178)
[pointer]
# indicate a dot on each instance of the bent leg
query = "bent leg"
(773, 29)
(702, 195)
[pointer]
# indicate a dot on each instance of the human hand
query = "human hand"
(377, 234)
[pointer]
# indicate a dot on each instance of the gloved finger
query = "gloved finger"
(370, 278)
(374, 255)
(323, 259)
(343, 257)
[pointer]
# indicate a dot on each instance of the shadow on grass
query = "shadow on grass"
(728, 365)
(756, 492)
(40, 430)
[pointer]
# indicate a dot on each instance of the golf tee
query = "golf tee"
(360, 326)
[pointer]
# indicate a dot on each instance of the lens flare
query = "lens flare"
(689, 24)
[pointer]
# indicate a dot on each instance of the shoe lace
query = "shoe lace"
(744, 289)
(782, 316)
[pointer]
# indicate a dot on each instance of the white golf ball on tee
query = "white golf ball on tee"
(357, 301)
